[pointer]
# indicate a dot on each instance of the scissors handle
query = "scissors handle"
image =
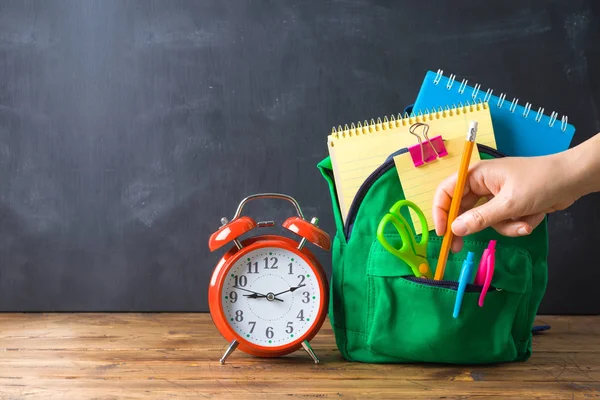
(412, 252)
(407, 246)
(421, 245)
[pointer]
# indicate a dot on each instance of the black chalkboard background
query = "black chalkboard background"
(129, 128)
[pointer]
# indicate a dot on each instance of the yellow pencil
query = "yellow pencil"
(456, 199)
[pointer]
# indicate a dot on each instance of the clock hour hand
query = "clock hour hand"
(269, 296)
(290, 289)
(254, 296)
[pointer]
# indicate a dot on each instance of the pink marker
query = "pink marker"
(480, 276)
(486, 270)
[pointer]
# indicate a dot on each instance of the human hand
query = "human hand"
(519, 190)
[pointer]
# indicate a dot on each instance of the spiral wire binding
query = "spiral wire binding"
(488, 94)
(527, 109)
(404, 119)
(513, 105)
(392, 122)
(463, 85)
(476, 91)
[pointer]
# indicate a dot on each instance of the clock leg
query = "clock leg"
(310, 351)
(229, 350)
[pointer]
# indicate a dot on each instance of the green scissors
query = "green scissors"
(412, 252)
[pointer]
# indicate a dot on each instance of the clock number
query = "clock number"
(290, 265)
(306, 296)
(269, 332)
(239, 315)
(233, 296)
(240, 281)
(301, 279)
(274, 266)
(300, 315)
(250, 268)
(253, 323)
(289, 328)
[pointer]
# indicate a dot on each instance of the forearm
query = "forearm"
(584, 163)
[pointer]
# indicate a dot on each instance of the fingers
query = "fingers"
(440, 215)
(441, 204)
(440, 220)
(519, 227)
(475, 188)
(476, 219)
(511, 227)
(468, 202)
(457, 244)
(443, 199)
(535, 220)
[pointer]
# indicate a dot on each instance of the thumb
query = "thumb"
(479, 218)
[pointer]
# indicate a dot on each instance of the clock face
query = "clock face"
(271, 297)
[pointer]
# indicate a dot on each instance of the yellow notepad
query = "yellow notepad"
(419, 184)
(356, 151)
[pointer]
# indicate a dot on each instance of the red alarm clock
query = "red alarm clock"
(268, 295)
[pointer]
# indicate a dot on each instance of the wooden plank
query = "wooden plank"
(135, 356)
(187, 331)
(325, 388)
(543, 367)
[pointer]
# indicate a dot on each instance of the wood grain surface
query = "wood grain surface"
(158, 356)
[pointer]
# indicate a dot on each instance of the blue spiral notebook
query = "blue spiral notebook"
(520, 129)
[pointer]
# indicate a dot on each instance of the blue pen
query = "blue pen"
(465, 277)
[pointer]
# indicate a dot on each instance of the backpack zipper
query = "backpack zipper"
(382, 169)
(447, 284)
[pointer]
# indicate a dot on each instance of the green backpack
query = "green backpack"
(380, 315)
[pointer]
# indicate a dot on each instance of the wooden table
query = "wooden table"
(164, 356)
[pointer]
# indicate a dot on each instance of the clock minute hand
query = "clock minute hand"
(255, 295)
(290, 289)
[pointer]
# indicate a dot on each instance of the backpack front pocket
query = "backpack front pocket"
(411, 319)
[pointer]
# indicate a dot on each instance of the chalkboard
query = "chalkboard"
(129, 128)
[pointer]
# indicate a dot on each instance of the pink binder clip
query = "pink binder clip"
(428, 150)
